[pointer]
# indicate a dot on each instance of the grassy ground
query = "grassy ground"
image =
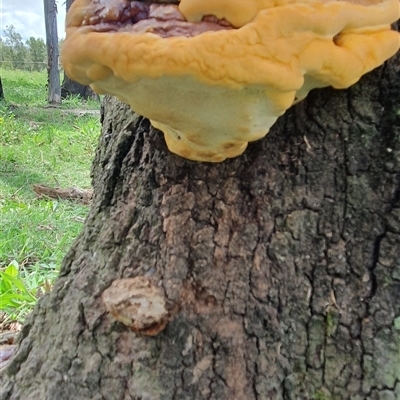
(50, 146)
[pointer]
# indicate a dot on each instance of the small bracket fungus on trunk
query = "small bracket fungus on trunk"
(216, 74)
(138, 304)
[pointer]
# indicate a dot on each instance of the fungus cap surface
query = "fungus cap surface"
(216, 74)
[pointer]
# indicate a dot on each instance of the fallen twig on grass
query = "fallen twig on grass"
(83, 196)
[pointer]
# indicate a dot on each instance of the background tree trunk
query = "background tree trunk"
(1, 90)
(282, 265)
(50, 16)
(70, 87)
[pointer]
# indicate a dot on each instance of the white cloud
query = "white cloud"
(28, 19)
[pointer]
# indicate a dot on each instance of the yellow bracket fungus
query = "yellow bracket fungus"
(214, 75)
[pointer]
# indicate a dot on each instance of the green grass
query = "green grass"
(39, 145)
(29, 89)
(25, 88)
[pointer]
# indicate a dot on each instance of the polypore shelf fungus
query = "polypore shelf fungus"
(214, 75)
(137, 303)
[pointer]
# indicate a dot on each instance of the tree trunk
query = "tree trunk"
(280, 268)
(1, 90)
(72, 88)
(50, 16)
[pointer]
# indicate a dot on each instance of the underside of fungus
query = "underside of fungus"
(216, 74)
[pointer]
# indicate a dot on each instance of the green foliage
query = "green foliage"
(39, 145)
(14, 295)
(20, 289)
(14, 50)
(37, 52)
(15, 54)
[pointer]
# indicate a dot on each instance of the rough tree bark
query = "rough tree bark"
(282, 265)
(70, 87)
